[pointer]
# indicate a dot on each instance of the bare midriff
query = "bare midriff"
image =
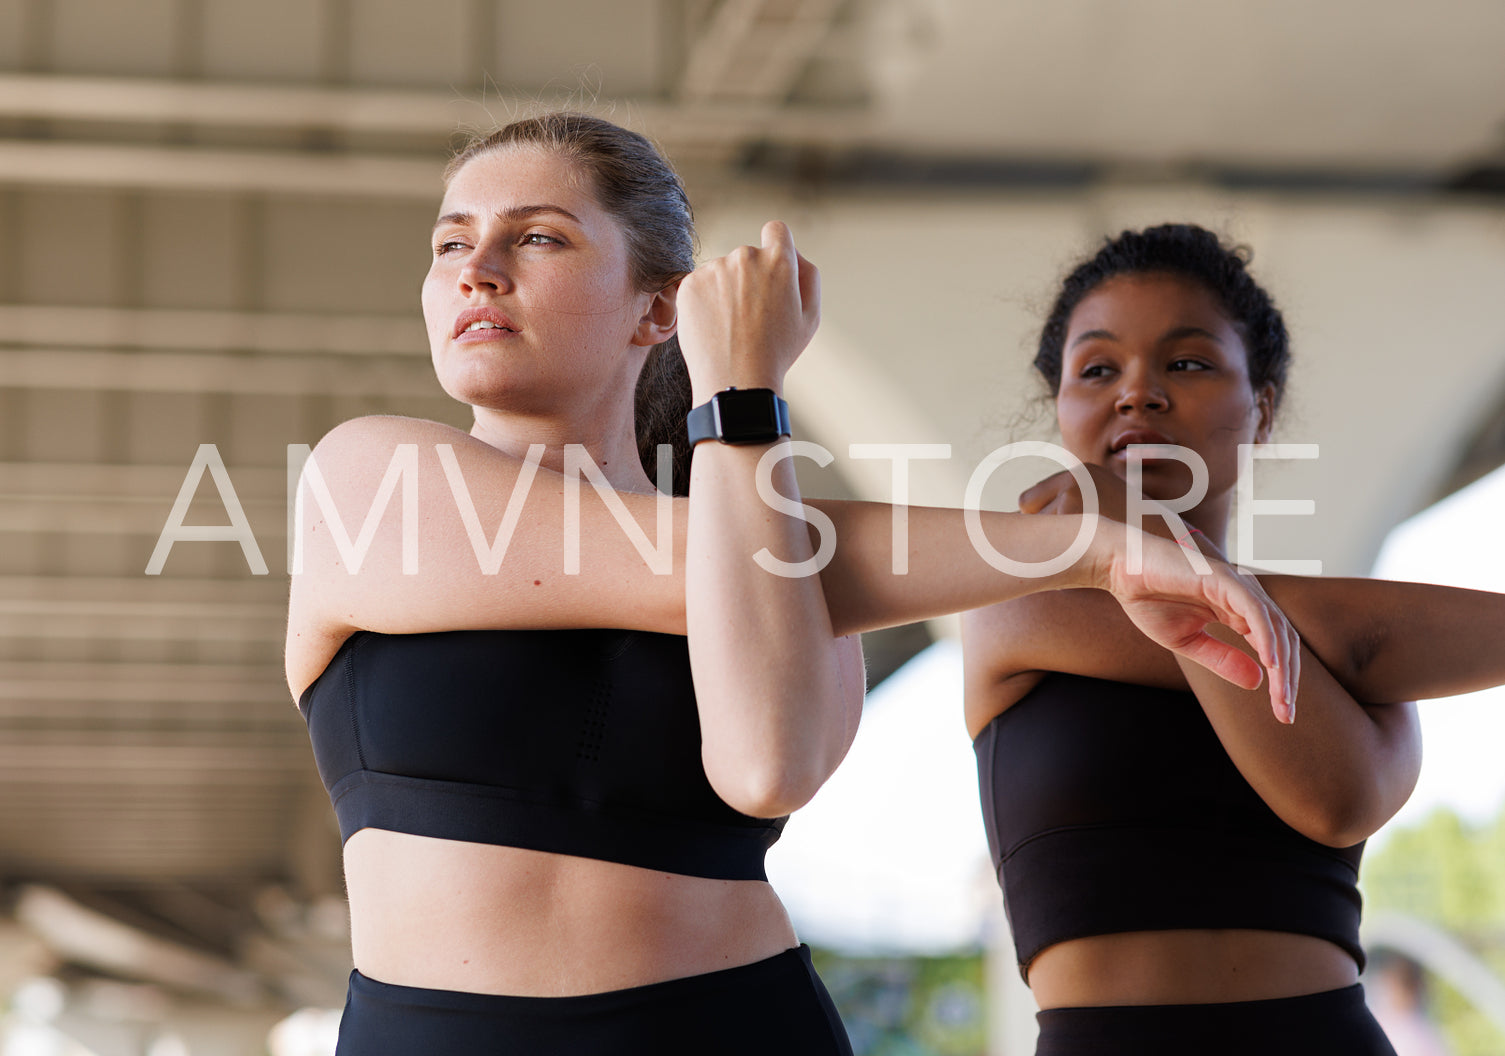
(1190, 967)
(449, 915)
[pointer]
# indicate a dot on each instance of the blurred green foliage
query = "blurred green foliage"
(909, 1006)
(1450, 874)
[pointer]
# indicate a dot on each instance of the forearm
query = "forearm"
(1337, 773)
(1386, 641)
(777, 713)
(869, 584)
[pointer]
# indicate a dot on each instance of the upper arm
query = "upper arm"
(853, 673)
(1079, 632)
(1336, 774)
(420, 569)
(1399, 729)
(1396, 641)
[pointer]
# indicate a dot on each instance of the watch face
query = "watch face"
(747, 416)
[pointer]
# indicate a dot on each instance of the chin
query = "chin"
(1164, 481)
(477, 393)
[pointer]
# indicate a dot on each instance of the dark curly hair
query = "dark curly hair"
(638, 187)
(1191, 252)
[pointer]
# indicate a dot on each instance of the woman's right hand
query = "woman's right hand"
(746, 317)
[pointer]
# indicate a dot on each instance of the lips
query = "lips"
(1137, 436)
(1140, 436)
(482, 320)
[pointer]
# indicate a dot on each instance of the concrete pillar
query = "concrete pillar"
(1011, 1007)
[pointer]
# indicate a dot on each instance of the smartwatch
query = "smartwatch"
(740, 416)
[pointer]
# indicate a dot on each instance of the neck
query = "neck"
(608, 441)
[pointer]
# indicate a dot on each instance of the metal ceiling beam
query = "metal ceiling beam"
(89, 937)
(125, 628)
(166, 329)
(220, 592)
(756, 50)
(142, 515)
(61, 368)
(138, 101)
(75, 164)
(98, 480)
(222, 688)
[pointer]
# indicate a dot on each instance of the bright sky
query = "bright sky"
(891, 854)
(1456, 542)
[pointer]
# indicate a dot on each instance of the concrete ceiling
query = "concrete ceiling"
(1259, 84)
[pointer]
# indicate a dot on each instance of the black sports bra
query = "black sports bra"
(1112, 807)
(580, 742)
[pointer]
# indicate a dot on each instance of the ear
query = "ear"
(1264, 400)
(660, 319)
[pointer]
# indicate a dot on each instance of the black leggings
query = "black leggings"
(1333, 1023)
(776, 1005)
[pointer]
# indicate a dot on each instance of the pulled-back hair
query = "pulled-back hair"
(1190, 252)
(636, 185)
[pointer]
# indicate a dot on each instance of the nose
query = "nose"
(486, 270)
(1142, 391)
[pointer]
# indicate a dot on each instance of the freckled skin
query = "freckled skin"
(563, 281)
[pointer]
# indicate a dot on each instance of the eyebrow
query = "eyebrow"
(1094, 335)
(512, 214)
(1174, 334)
(1179, 332)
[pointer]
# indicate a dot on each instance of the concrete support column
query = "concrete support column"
(1011, 1007)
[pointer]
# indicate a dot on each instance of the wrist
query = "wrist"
(705, 385)
(1108, 546)
(754, 416)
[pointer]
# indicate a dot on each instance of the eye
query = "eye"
(1095, 370)
(448, 245)
(538, 238)
(1189, 364)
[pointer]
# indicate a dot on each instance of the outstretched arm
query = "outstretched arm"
(1387, 641)
(1345, 767)
(616, 587)
(1384, 641)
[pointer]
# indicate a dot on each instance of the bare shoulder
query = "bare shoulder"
(1008, 648)
(373, 439)
(409, 526)
(349, 463)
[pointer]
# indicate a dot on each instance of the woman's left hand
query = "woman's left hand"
(746, 317)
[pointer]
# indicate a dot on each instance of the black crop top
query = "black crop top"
(1112, 807)
(580, 742)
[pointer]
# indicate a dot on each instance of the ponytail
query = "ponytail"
(661, 402)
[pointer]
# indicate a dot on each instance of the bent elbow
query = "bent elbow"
(1340, 837)
(1339, 823)
(769, 792)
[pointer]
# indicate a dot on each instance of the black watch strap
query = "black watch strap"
(740, 416)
